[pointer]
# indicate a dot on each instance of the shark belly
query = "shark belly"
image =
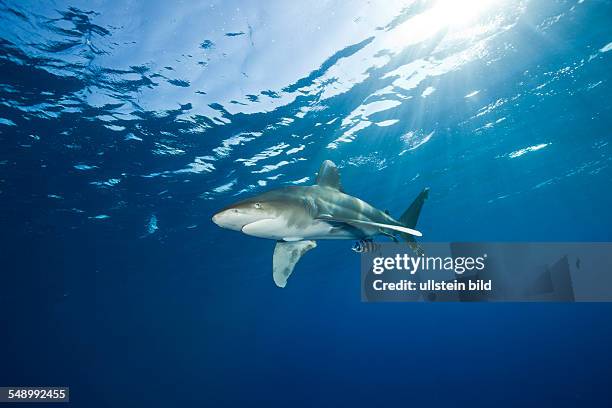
(278, 229)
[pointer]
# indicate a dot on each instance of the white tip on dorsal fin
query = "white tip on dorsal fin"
(329, 176)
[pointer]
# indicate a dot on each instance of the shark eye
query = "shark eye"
(257, 205)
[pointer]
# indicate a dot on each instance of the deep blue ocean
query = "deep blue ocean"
(125, 125)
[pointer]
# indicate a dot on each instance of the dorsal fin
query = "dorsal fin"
(329, 176)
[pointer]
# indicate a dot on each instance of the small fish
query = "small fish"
(152, 225)
(365, 245)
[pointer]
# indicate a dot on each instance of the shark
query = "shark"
(297, 216)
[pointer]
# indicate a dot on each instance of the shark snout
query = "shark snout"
(224, 215)
(216, 219)
(229, 218)
(235, 218)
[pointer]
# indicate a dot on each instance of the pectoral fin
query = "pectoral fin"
(358, 223)
(286, 255)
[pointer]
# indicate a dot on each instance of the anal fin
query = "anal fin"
(286, 255)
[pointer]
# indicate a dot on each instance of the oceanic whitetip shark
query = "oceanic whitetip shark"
(297, 216)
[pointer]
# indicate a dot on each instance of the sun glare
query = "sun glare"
(459, 12)
(442, 14)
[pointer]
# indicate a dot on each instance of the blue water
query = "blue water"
(125, 125)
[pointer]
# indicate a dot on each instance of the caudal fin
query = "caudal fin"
(410, 217)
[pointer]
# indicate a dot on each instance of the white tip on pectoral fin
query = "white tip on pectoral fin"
(398, 228)
(286, 255)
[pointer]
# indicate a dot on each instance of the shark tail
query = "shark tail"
(410, 217)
